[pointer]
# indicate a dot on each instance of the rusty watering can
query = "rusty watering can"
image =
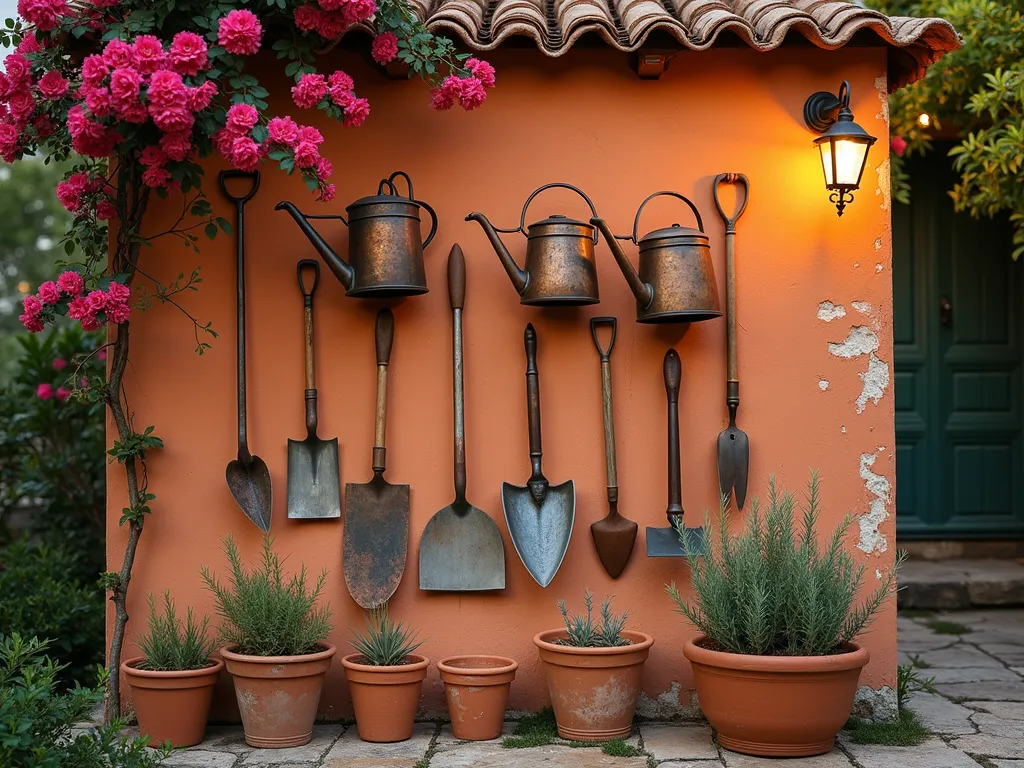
(676, 282)
(385, 252)
(560, 268)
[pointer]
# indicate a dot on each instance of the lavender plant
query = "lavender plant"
(583, 632)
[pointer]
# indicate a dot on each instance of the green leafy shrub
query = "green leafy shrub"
(584, 633)
(36, 720)
(384, 643)
(266, 613)
(38, 599)
(773, 590)
(171, 645)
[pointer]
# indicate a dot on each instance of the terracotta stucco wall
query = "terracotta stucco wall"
(588, 120)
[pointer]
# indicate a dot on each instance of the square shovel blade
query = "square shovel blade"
(314, 481)
(540, 532)
(376, 540)
(664, 542)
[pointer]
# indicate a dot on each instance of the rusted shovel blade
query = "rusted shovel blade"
(613, 539)
(664, 542)
(376, 540)
(461, 551)
(249, 482)
(540, 532)
(733, 460)
(314, 482)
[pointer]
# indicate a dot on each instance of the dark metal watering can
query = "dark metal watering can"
(560, 268)
(385, 252)
(676, 281)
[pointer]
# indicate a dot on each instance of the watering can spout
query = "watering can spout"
(341, 270)
(642, 291)
(518, 276)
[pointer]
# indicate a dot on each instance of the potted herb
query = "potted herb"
(385, 678)
(172, 681)
(476, 690)
(275, 647)
(583, 662)
(776, 666)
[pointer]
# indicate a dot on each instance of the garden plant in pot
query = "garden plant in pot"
(274, 635)
(172, 681)
(385, 678)
(776, 666)
(583, 662)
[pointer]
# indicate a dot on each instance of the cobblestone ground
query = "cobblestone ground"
(977, 716)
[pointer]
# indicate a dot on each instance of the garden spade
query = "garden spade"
(461, 548)
(314, 483)
(539, 515)
(377, 521)
(733, 446)
(247, 475)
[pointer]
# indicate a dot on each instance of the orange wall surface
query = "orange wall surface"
(588, 120)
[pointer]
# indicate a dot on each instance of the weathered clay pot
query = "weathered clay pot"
(476, 689)
(593, 690)
(385, 698)
(278, 695)
(172, 706)
(775, 706)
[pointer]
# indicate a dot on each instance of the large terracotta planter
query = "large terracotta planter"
(172, 706)
(476, 689)
(278, 695)
(775, 706)
(593, 690)
(385, 698)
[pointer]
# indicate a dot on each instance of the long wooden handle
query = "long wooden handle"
(606, 400)
(730, 304)
(673, 377)
(456, 277)
(457, 295)
(533, 403)
(732, 392)
(384, 335)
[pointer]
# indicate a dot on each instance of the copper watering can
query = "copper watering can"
(385, 252)
(676, 280)
(560, 268)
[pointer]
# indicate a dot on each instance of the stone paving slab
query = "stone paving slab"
(934, 753)
(201, 759)
(965, 583)
(834, 759)
(481, 756)
(940, 715)
(678, 742)
(1009, 710)
(992, 746)
(323, 737)
(999, 691)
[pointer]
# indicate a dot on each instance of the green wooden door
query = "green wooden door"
(958, 325)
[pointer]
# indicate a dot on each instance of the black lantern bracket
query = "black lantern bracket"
(823, 109)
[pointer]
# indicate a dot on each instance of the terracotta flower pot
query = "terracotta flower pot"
(593, 690)
(172, 706)
(476, 689)
(385, 698)
(278, 695)
(775, 706)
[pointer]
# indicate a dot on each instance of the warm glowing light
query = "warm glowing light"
(924, 119)
(23, 287)
(848, 164)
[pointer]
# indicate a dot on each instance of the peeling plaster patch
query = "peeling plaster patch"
(879, 267)
(861, 341)
(861, 306)
(843, 429)
(884, 188)
(864, 341)
(827, 311)
(878, 243)
(822, 384)
(878, 486)
(667, 705)
(856, 264)
(878, 573)
(882, 86)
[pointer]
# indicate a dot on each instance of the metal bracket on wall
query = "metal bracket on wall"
(651, 65)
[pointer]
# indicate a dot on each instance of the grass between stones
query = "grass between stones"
(540, 729)
(907, 731)
(940, 627)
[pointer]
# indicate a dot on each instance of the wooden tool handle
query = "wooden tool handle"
(533, 405)
(384, 334)
(743, 195)
(673, 376)
(456, 277)
(307, 295)
(606, 400)
(456, 294)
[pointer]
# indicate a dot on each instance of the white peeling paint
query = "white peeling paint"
(827, 311)
(879, 267)
(878, 487)
(856, 265)
(883, 190)
(878, 243)
(861, 306)
(864, 341)
(882, 86)
(843, 429)
(822, 384)
(861, 341)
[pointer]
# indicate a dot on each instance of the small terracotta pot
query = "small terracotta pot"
(476, 689)
(385, 698)
(593, 690)
(278, 695)
(172, 706)
(775, 706)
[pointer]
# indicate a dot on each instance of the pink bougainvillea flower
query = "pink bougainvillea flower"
(32, 305)
(156, 177)
(119, 293)
(307, 18)
(898, 145)
(125, 85)
(177, 146)
(94, 140)
(70, 195)
(482, 71)
(172, 118)
(9, 137)
(306, 154)
(101, 355)
(70, 283)
(308, 92)
(153, 155)
(282, 130)
(119, 313)
(332, 24)
(166, 88)
(94, 70)
(90, 323)
(240, 32)
(149, 54)
(118, 53)
(241, 118)
(341, 81)
(44, 391)
(29, 43)
(32, 323)
(62, 394)
(189, 53)
(245, 153)
(384, 48)
(472, 94)
(105, 210)
(21, 104)
(97, 100)
(44, 15)
(356, 11)
(356, 112)
(97, 300)
(49, 293)
(199, 98)
(53, 85)
(324, 169)
(332, 5)
(59, 363)
(79, 309)
(447, 94)
(16, 67)
(310, 134)
(43, 126)
(326, 193)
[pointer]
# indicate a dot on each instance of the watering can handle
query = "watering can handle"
(640, 210)
(253, 176)
(731, 178)
(389, 182)
(577, 190)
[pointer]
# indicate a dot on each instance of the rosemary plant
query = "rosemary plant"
(384, 643)
(775, 589)
(173, 646)
(266, 613)
(584, 633)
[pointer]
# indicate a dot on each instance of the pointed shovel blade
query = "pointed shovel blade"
(540, 532)
(733, 462)
(249, 482)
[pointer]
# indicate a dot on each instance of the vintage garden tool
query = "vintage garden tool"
(664, 542)
(385, 254)
(733, 445)
(461, 548)
(377, 517)
(248, 476)
(314, 483)
(613, 534)
(676, 282)
(539, 515)
(560, 268)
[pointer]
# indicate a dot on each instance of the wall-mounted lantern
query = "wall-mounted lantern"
(843, 144)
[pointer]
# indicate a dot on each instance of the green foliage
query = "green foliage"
(909, 681)
(772, 590)
(539, 730)
(36, 720)
(905, 731)
(619, 748)
(264, 612)
(173, 645)
(40, 599)
(384, 643)
(942, 627)
(584, 633)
